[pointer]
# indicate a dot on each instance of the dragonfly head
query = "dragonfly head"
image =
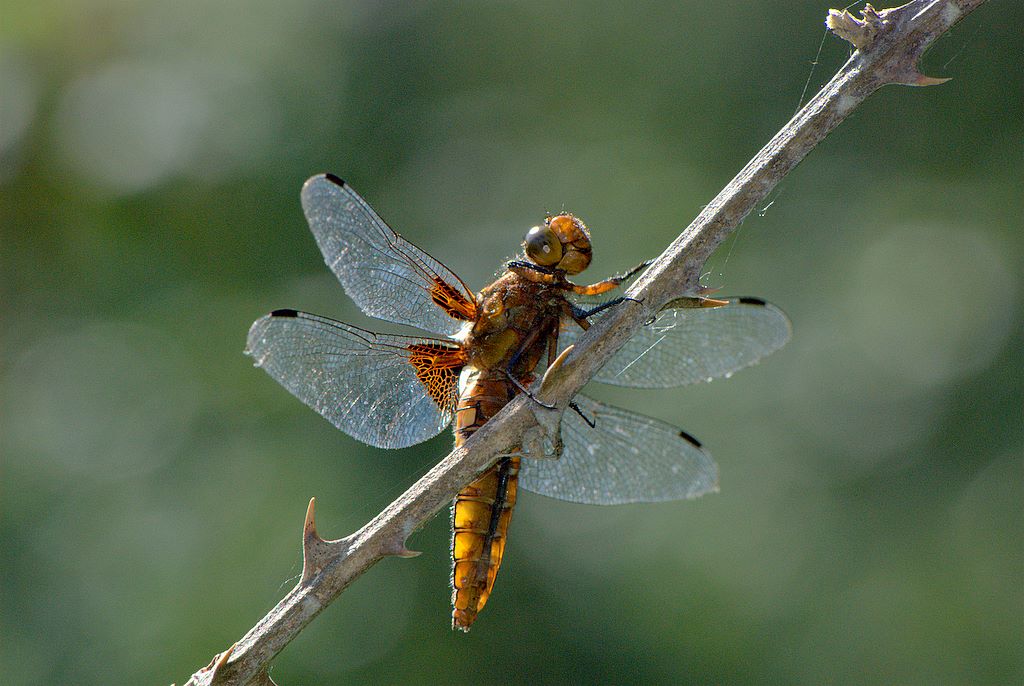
(562, 243)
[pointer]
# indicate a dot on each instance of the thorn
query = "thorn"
(918, 79)
(309, 527)
(315, 550)
(687, 302)
(553, 368)
(224, 657)
(399, 550)
(713, 302)
(217, 662)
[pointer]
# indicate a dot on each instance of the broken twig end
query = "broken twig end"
(860, 32)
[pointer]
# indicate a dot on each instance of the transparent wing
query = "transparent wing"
(684, 345)
(625, 458)
(388, 391)
(386, 275)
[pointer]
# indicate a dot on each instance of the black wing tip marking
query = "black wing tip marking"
(747, 300)
(284, 313)
(690, 439)
(336, 180)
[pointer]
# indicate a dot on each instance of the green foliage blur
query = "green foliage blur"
(153, 483)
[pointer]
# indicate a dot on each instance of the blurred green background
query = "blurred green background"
(154, 483)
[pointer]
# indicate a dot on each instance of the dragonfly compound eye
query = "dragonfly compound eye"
(542, 246)
(572, 233)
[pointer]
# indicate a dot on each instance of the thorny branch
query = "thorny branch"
(889, 44)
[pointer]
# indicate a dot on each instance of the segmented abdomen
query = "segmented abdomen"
(482, 510)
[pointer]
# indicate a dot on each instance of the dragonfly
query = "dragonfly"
(484, 349)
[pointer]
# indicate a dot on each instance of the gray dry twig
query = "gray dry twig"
(889, 43)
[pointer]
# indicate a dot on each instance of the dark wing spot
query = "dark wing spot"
(284, 313)
(752, 301)
(335, 180)
(687, 437)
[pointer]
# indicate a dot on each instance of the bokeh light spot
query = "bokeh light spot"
(932, 303)
(103, 402)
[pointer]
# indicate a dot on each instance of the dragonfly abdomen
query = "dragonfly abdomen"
(482, 510)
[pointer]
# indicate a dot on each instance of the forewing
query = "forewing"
(386, 275)
(624, 458)
(388, 391)
(684, 345)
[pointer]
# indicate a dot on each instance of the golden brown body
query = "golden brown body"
(518, 317)
(516, 321)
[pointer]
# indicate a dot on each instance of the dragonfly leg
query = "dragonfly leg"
(526, 391)
(588, 420)
(580, 313)
(623, 277)
(608, 284)
(544, 330)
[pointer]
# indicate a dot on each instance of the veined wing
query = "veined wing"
(386, 275)
(388, 391)
(684, 345)
(624, 458)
